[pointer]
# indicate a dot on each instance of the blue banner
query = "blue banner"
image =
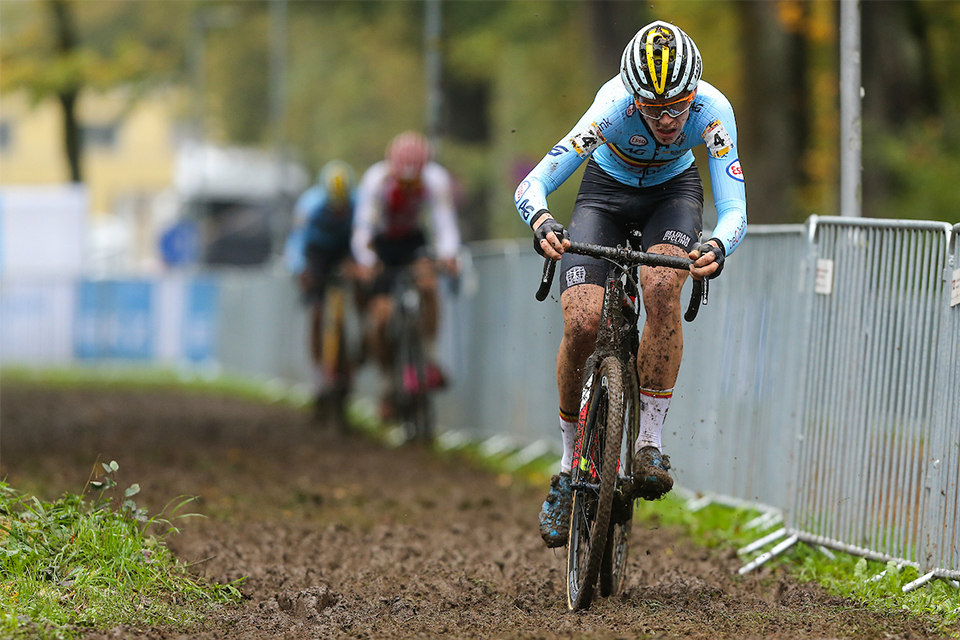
(114, 320)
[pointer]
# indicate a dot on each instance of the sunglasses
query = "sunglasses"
(675, 109)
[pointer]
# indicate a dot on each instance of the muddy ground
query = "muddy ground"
(339, 537)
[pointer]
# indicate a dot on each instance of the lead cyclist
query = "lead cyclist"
(637, 138)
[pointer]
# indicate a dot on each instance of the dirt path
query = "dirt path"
(341, 538)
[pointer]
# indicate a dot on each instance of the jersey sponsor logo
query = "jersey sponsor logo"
(631, 109)
(735, 171)
(718, 141)
(522, 189)
(576, 275)
(526, 210)
(679, 238)
(639, 141)
(637, 163)
(587, 141)
(557, 150)
(603, 124)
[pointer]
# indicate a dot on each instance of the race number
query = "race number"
(718, 141)
(587, 141)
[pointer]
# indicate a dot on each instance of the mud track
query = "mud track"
(341, 538)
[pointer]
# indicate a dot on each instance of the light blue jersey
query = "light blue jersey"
(317, 222)
(616, 135)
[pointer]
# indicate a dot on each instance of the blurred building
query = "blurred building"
(128, 145)
(155, 197)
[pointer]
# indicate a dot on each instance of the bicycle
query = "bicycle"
(602, 513)
(336, 358)
(412, 387)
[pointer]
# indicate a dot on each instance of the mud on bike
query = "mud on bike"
(609, 422)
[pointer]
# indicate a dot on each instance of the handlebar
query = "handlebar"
(626, 256)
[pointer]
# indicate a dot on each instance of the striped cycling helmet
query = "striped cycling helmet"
(660, 63)
(407, 153)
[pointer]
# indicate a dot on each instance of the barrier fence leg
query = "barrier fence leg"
(762, 558)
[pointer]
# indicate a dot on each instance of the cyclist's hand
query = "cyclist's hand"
(550, 239)
(708, 259)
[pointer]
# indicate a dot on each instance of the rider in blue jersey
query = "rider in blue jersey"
(318, 249)
(637, 138)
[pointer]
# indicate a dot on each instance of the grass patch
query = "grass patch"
(132, 377)
(94, 560)
(874, 584)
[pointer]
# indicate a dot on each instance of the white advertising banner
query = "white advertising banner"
(43, 230)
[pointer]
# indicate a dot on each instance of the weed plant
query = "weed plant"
(94, 560)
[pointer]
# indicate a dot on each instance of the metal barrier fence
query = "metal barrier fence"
(871, 444)
(942, 553)
(822, 380)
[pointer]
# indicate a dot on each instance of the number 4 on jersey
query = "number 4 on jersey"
(718, 141)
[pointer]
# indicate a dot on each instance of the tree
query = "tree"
(773, 121)
(61, 48)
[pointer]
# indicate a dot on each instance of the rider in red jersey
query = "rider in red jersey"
(390, 228)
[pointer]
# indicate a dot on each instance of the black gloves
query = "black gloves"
(718, 253)
(541, 232)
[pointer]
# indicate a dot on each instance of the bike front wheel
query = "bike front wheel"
(594, 479)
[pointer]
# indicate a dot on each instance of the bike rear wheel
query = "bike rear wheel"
(417, 417)
(594, 480)
(614, 566)
(613, 569)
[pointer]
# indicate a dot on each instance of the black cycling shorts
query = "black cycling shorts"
(395, 254)
(606, 211)
(322, 265)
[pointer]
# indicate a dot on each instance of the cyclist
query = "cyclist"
(638, 136)
(317, 249)
(390, 232)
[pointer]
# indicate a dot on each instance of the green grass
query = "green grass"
(94, 560)
(124, 376)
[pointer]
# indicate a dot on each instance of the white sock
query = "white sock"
(653, 411)
(568, 430)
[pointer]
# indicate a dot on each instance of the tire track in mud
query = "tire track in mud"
(339, 537)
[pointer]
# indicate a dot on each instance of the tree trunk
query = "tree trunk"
(612, 24)
(900, 89)
(66, 44)
(772, 121)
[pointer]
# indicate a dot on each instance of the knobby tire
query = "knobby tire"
(614, 567)
(598, 459)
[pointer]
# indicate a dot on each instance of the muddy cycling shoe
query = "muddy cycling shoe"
(650, 478)
(555, 512)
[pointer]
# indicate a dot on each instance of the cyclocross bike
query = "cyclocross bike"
(602, 513)
(413, 399)
(335, 358)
